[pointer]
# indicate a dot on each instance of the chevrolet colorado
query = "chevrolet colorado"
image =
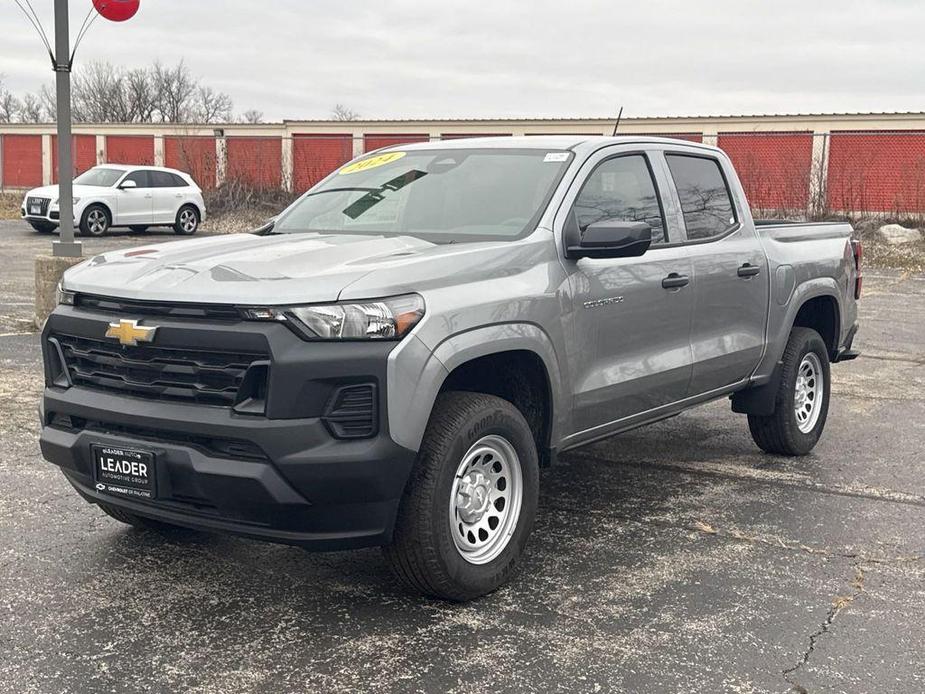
(392, 359)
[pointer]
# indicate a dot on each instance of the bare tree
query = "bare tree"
(341, 112)
(49, 103)
(104, 93)
(30, 110)
(9, 104)
(212, 106)
(176, 89)
(252, 116)
(140, 94)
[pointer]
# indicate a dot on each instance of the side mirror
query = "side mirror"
(612, 238)
(125, 185)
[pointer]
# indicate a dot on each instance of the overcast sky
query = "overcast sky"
(513, 58)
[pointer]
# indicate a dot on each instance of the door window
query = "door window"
(161, 179)
(705, 200)
(140, 178)
(621, 189)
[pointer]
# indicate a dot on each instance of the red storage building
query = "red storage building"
(315, 156)
(130, 149)
(22, 161)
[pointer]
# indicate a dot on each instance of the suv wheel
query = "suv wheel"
(95, 221)
(187, 220)
(802, 400)
(470, 502)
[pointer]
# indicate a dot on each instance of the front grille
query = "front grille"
(351, 412)
(166, 373)
(42, 202)
(151, 308)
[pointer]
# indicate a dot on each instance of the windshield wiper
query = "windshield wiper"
(377, 195)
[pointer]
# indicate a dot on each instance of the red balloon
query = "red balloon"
(117, 10)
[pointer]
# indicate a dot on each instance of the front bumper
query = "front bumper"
(282, 478)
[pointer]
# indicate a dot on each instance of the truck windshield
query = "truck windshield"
(444, 196)
(103, 178)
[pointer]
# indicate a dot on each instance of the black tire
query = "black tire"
(43, 227)
(423, 554)
(95, 221)
(141, 522)
(187, 221)
(138, 228)
(780, 432)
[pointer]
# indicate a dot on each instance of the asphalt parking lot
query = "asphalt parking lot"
(676, 558)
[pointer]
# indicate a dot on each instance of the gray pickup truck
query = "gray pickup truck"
(394, 358)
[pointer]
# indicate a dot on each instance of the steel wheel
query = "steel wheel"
(485, 500)
(97, 222)
(807, 395)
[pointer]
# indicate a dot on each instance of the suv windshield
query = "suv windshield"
(99, 177)
(441, 195)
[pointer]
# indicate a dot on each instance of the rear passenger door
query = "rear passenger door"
(630, 346)
(730, 274)
(168, 190)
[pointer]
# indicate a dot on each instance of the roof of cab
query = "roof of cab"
(541, 142)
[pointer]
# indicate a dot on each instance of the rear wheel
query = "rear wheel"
(470, 503)
(43, 227)
(95, 221)
(801, 405)
(141, 522)
(187, 220)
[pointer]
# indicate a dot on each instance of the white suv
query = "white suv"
(116, 195)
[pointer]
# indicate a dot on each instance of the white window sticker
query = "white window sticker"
(556, 156)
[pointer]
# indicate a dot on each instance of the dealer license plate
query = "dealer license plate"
(124, 472)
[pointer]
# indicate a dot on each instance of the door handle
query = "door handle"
(675, 281)
(748, 270)
(147, 197)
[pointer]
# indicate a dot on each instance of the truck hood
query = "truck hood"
(246, 269)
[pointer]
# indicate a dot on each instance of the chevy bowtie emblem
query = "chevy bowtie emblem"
(129, 333)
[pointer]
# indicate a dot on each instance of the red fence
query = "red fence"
(878, 172)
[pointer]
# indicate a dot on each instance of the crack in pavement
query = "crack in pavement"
(839, 603)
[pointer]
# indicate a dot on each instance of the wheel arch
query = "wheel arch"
(500, 360)
(815, 304)
(100, 203)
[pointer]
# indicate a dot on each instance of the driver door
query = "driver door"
(631, 346)
(136, 205)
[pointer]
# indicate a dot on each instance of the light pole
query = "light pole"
(65, 246)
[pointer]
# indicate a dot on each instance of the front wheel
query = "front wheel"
(469, 506)
(95, 221)
(802, 401)
(187, 220)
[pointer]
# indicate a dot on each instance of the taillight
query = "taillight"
(858, 252)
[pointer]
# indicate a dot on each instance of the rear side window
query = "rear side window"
(620, 189)
(165, 179)
(705, 199)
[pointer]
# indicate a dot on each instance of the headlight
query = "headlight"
(65, 297)
(380, 319)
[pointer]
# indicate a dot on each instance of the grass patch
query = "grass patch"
(9, 205)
